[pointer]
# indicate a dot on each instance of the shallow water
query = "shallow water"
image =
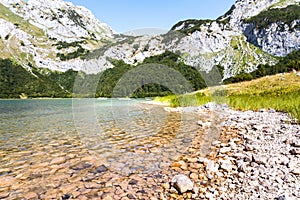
(124, 134)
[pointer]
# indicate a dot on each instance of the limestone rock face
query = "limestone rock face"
(61, 20)
(278, 39)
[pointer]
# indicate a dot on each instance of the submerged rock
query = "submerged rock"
(101, 169)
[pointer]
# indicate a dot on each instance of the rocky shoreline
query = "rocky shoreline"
(250, 155)
(256, 157)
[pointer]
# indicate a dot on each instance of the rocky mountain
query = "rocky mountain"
(49, 34)
(58, 35)
(232, 41)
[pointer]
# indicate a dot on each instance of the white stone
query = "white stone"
(182, 183)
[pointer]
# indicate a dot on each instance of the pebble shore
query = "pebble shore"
(255, 156)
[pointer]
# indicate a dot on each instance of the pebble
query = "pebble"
(260, 159)
(226, 165)
(182, 183)
(101, 169)
(225, 150)
(57, 161)
(31, 195)
(295, 151)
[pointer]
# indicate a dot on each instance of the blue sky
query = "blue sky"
(127, 15)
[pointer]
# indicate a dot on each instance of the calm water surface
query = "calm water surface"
(124, 134)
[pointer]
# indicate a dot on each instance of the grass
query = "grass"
(184, 100)
(280, 92)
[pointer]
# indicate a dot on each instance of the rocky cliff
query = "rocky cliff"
(276, 30)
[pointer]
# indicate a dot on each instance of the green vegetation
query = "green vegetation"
(110, 77)
(280, 92)
(15, 80)
(79, 52)
(198, 98)
(64, 45)
(285, 64)
(46, 83)
(276, 15)
(191, 25)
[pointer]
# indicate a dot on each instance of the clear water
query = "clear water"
(126, 135)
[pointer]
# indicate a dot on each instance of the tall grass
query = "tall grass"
(184, 100)
(289, 102)
(280, 92)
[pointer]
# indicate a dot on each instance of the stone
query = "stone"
(295, 143)
(226, 165)
(225, 150)
(166, 186)
(209, 196)
(295, 151)
(31, 195)
(182, 183)
(242, 167)
(195, 191)
(209, 175)
(282, 197)
(4, 195)
(57, 161)
(249, 147)
(106, 197)
(232, 145)
(203, 160)
(66, 196)
(101, 169)
(194, 176)
(133, 182)
(81, 166)
(212, 167)
(262, 160)
(173, 190)
(238, 155)
(296, 171)
(271, 110)
(131, 196)
(215, 143)
(192, 160)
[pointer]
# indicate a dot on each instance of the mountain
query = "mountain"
(49, 34)
(232, 41)
(50, 38)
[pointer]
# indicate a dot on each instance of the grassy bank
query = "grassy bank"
(280, 92)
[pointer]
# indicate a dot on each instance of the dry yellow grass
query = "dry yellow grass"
(283, 83)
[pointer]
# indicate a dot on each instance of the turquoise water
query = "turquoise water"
(120, 132)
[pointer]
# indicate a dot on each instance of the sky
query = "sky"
(128, 15)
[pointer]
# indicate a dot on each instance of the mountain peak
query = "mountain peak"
(60, 20)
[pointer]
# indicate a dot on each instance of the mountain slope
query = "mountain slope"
(43, 32)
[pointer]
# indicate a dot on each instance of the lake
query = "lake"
(125, 134)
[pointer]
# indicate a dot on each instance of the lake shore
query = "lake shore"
(248, 155)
